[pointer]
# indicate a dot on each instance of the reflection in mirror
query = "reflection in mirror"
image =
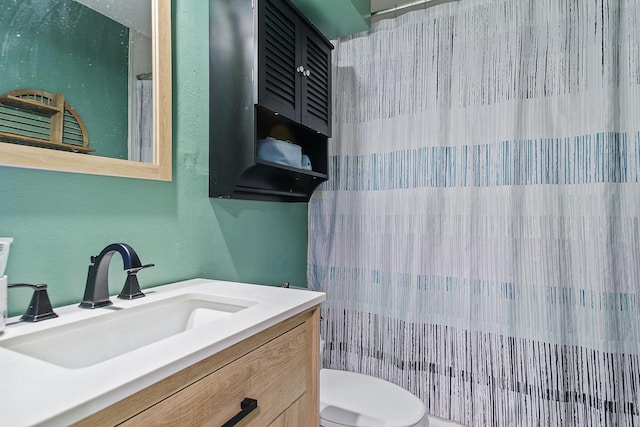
(66, 48)
(103, 69)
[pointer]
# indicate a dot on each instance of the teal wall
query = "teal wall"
(61, 46)
(337, 18)
(58, 220)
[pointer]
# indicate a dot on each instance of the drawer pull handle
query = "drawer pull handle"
(247, 405)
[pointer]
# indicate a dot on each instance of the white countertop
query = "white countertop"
(34, 392)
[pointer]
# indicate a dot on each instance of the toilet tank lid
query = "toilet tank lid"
(357, 400)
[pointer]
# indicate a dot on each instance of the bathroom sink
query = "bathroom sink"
(90, 341)
(84, 361)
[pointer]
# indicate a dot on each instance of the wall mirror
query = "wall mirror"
(96, 75)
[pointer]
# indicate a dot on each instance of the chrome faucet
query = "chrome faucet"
(96, 292)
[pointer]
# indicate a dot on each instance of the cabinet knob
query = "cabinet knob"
(300, 69)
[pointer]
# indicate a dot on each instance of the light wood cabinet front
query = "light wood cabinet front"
(294, 416)
(273, 374)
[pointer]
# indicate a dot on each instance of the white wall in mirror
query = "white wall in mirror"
(135, 14)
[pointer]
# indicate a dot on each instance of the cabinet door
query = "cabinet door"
(294, 416)
(316, 83)
(278, 58)
(274, 374)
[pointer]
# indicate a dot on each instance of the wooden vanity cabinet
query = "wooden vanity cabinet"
(278, 367)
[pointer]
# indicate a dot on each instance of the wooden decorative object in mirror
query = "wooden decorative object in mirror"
(42, 119)
(161, 168)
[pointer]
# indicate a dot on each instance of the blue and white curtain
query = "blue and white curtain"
(479, 235)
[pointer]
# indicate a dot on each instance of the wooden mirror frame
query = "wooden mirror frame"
(161, 169)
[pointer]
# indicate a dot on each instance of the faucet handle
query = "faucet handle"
(40, 306)
(131, 289)
(136, 269)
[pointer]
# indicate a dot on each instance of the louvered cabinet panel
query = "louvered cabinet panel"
(316, 84)
(278, 82)
(293, 67)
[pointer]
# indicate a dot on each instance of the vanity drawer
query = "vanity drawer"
(275, 374)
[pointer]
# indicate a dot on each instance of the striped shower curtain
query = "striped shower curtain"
(479, 237)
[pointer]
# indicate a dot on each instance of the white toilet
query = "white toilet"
(349, 399)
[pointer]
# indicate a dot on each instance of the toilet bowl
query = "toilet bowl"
(350, 399)
(357, 400)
